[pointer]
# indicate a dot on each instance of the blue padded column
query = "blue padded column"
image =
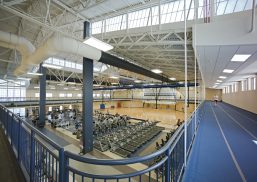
(42, 96)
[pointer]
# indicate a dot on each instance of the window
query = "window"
(97, 27)
(49, 95)
(139, 18)
(236, 87)
(69, 95)
(242, 86)
(62, 95)
(232, 88)
(249, 83)
(116, 23)
(50, 108)
(254, 83)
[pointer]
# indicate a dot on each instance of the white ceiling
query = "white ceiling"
(214, 59)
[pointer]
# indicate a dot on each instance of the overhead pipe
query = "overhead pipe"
(21, 44)
(54, 45)
(117, 62)
(58, 44)
(253, 16)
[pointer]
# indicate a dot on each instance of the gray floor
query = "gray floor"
(9, 168)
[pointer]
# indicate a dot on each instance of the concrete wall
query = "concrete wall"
(210, 93)
(243, 99)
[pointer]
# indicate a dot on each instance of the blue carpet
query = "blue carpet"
(210, 159)
(240, 140)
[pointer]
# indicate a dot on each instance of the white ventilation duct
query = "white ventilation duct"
(12, 41)
(56, 45)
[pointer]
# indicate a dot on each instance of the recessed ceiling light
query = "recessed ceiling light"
(31, 73)
(114, 83)
(98, 44)
(51, 66)
(219, 81)
(222, 77)
(240, 57)
(180, 82)
(157, 71)
(36, 87)
(227, 71)
(173, 79)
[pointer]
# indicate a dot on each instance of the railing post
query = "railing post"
(61, 164)
(7, 123)
(11, 130)
(19, 140)
(32, 155)
(167, 166)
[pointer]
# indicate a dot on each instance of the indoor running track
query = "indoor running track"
(225, 147)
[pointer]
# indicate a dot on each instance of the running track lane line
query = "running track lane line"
(229, 148)
(232, 109)
(247, 131)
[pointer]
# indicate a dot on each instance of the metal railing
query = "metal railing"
(41, 159)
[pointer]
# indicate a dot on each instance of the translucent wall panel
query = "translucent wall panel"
(116, 23)
(97, 27)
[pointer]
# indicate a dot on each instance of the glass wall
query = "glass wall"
(170, 12)
(11, 90)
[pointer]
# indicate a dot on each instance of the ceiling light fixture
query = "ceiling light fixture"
(21, 78)
(222, 77)
(240, 57)
(98, 44)
(228, 71)
(157, 71)
(31, 73)
(114, 77)
(51, 66)
(137, 81)
(65, 88)
(172, 78)
(219, 81)
(36, 87)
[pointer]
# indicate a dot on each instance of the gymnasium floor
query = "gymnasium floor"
(225, 147)
(167, 117)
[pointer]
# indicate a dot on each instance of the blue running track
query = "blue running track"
(225, 147)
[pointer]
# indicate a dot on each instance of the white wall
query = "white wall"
(243, 99)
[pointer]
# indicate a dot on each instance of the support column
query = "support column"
(42, 96)
(87, 103)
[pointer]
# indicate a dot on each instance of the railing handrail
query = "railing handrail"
(34, 129)
(64, 156)
(132, 159)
